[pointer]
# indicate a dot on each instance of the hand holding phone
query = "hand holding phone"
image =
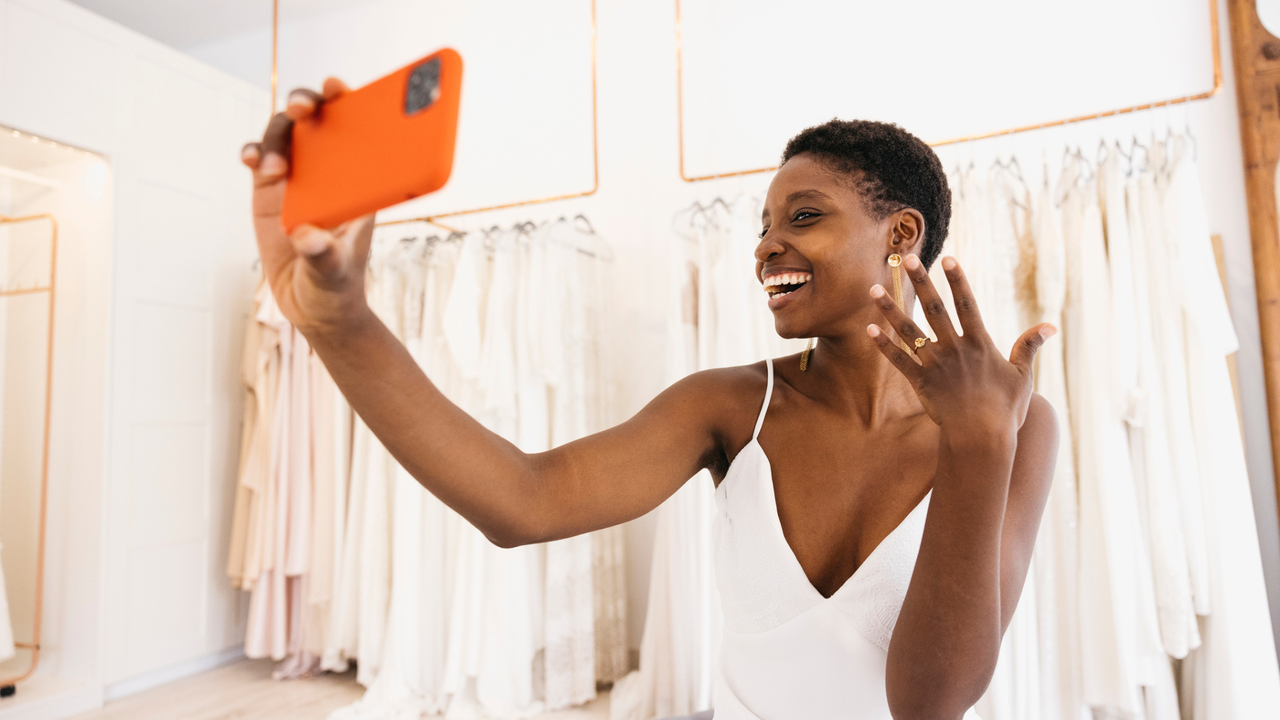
(390, 141)
(316, 267)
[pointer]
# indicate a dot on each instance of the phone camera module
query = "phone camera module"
(424, 87)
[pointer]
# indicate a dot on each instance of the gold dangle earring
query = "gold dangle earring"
(804, 356)
(895, 263)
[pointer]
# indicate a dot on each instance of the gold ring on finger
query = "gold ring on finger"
(920, 342)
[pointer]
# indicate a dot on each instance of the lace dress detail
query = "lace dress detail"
(876, 591)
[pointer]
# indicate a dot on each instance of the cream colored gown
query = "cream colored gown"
(1234, 673)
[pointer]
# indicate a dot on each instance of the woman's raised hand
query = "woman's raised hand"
(316, 275)
(962, 380)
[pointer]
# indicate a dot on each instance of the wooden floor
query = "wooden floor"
(245, 691)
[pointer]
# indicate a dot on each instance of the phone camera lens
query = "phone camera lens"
(424, 87)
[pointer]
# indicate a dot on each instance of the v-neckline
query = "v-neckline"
(782, 535)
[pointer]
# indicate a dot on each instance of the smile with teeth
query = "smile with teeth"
(785, 283)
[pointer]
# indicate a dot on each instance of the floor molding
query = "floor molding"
(156, 678)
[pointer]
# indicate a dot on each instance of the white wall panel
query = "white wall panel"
(173, 116)
(756, 71)
(168, 488)
(171, 364)
(183, 249)
(60, 80)
(169, 245)
(167, 616)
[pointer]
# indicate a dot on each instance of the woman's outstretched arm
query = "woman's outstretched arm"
(317, 277)
(997, 447)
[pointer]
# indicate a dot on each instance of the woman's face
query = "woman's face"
(821, 251)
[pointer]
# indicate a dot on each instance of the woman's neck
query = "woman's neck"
(858, 381)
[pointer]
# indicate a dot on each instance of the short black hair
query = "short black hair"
(891, 169)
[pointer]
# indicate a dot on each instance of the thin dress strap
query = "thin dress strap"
(768, 393)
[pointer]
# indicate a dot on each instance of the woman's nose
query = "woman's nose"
(768, 247)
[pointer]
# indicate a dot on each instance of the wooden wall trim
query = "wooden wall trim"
(1256, 55)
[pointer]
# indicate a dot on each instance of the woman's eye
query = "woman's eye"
(763, 233)
(802, 215)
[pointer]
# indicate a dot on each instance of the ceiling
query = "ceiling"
(186, 23)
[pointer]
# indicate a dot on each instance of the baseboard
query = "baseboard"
(155, 678)
(57, 705)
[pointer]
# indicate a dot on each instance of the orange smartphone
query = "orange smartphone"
(387, 142)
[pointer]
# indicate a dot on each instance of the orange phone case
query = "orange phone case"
(376, 146)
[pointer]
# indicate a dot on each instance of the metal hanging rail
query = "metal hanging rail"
(275, 52)
(1217, 86)
(595, 136)
(38, 614)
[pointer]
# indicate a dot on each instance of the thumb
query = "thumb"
(1024, 351)
(319, 250)
(333, 257)
(360, 232)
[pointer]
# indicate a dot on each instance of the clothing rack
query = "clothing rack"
(526, 228)
(7, 684)
(1217, 86)
(595, 135)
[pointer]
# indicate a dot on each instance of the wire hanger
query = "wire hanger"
(583, 219)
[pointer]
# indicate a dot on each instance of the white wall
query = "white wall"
(640, 188)
(146, 432)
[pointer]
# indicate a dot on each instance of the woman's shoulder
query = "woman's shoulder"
(736, 380)
(729, 392)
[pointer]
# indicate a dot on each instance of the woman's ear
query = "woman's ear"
(908, 231)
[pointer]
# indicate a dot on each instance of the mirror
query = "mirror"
(34, 174)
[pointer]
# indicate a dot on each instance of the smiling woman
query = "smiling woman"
(849, 198)
(828, 611)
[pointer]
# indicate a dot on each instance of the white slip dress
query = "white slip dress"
(787, 651)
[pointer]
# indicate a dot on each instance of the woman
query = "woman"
(878, 498)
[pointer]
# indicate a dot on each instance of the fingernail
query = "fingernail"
(948, 263)
(249, 153)
(273, 164)
(913, 262)
(1047, 332)
(298, 98)
(877, 291)
(311, 241)
(873, 330)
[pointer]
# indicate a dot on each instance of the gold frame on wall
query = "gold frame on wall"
(1217, 86)
(595, 134)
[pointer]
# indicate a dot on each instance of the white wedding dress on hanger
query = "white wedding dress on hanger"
(1109, 541)
(1234, 673)
(997, 262)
